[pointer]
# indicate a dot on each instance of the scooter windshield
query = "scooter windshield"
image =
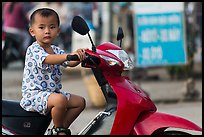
(123, 56)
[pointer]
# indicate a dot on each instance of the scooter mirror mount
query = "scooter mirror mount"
(80, 26)
(120, 35)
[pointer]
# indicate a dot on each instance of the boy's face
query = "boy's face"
(44, 29)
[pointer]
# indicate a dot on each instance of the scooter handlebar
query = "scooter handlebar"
(72, 58)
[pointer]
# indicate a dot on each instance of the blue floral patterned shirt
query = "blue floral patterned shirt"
(39, 76)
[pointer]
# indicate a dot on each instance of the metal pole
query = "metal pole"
(105, 20)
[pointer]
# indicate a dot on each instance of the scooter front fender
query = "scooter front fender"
(149, 122)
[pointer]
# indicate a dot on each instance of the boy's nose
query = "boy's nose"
(47, 31)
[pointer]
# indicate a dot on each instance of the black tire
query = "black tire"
(174, 133)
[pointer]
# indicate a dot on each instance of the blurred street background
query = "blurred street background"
(165, 46)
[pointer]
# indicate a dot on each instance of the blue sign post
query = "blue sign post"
(160, 39)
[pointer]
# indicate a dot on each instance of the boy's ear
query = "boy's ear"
(31, 32)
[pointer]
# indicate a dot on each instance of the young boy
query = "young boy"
(41, 87)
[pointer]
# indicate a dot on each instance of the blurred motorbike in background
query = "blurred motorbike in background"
(12, 49)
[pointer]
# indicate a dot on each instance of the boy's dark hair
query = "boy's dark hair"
(44, 12)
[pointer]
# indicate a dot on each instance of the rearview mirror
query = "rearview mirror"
(120, 34)
(79, 25)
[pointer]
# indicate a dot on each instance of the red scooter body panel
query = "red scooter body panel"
(131, 102)
(108, 45)
(148, 122)
(136, 113)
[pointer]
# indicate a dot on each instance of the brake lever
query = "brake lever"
(85, 60)
(88, 59)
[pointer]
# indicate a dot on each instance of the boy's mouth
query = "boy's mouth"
(47, 37)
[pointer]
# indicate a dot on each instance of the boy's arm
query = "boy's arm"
(55, 59)
(58, 59)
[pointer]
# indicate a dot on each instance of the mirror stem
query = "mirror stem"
(121, 43)
(93, 46)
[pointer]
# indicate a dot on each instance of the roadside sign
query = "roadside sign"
(160, 35)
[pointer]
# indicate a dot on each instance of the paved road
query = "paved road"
(188, 110)
(11, 86)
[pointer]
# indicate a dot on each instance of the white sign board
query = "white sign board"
(159, 32)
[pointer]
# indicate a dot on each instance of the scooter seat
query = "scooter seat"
(13, 108)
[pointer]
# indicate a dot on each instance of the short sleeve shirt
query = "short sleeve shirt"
(39, 76)
(40, 80)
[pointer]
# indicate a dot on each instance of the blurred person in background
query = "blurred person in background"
(15, 21)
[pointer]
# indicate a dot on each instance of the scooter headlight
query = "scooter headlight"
(110, 61)
(123, 56)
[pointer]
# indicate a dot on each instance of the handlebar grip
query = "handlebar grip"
(72, 58)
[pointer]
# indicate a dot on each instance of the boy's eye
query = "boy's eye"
(40, 27)
(52, 27)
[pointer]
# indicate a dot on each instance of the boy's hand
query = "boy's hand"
(80, 53)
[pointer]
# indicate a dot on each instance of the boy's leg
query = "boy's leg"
(57, 103)
(75, 106)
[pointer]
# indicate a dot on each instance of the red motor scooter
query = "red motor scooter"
(129, 110)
